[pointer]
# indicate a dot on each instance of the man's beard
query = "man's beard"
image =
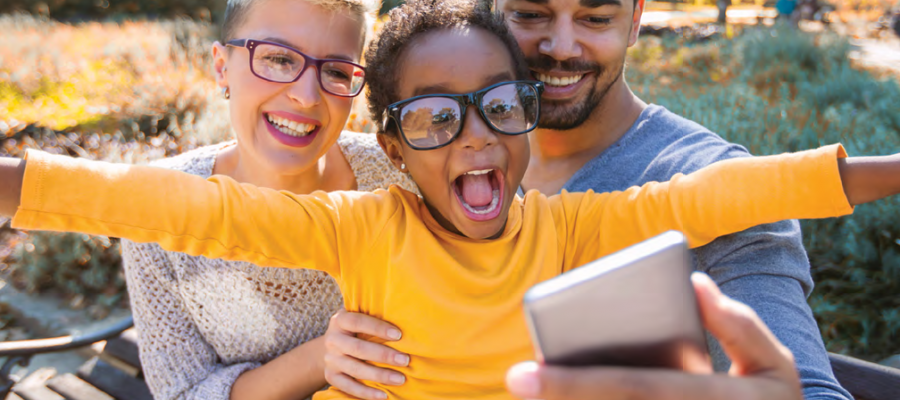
(566, 115)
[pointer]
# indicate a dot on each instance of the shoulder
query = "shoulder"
(371, 167)
(679, 145)
(199, 161)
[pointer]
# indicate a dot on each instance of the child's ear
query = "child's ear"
(391, 147)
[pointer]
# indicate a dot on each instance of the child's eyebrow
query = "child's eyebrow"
(442, 88)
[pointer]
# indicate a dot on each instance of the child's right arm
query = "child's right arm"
(216, 218)
(11, 172)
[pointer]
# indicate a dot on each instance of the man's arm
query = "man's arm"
(767, 268)
(11, 172)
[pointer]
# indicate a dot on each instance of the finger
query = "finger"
(350, 386)
(752, 347)
(362, 371)
(366, 324)
(529, 380)
(365, 350)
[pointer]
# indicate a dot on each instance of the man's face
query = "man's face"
(576, 47)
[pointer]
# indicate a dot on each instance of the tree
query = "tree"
(723, 9)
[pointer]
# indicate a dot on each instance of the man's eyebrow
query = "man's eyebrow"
(600, 3)
(291, 45)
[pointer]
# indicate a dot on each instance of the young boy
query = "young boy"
(450, 268)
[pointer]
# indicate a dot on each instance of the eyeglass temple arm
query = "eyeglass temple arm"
(237, 43)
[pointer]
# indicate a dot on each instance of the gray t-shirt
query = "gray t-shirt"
(765, 267)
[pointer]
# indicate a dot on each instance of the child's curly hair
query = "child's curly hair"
(414, 19)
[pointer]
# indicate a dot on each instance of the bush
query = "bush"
(71, 264)
(130, 92)
(785, 91)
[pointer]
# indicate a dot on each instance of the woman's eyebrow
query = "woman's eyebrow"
(334, 56)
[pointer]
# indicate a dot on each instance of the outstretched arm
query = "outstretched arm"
(730, 196)
(867, 179)
(216, 218)
(11, 172)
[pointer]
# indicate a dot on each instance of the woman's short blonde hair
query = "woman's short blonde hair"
(236, 12)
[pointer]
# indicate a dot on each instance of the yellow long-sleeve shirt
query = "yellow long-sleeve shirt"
(457, 300)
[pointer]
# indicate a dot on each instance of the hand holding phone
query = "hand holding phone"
(634, 308)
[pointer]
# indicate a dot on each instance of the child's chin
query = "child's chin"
(486, 229)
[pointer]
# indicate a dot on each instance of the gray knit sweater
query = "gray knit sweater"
(203, 322)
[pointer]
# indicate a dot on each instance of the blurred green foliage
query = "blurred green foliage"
(74, 264)
(777, 90)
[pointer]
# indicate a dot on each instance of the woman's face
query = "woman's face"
(461, 61)
(261, 110)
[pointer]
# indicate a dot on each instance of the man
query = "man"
(596, 134)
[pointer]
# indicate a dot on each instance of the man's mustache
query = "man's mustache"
(546, 63)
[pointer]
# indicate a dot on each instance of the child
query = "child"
(450, 268)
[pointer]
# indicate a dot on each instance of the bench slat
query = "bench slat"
(73, 388)
(33, 386)
(113, 381)
(125, 348)
(865, 380)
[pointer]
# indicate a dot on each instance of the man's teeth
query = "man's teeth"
(557, 81)
(291, 128)
(495, 202)
(479, 172)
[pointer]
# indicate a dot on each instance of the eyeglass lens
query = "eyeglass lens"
(434, 121)
(280, 64)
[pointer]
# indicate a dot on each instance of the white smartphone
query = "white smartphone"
(634, 308)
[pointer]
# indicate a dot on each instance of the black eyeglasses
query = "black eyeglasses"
(275, 62)
(434, 120)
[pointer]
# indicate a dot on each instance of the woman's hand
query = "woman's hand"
(762, 368)
(346, 355)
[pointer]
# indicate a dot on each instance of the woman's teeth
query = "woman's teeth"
(557, 81)
(495, 202)
(290, 128)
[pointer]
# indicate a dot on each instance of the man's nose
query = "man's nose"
(561, 42)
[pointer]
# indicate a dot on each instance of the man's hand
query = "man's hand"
(346, 355)
(762, 368)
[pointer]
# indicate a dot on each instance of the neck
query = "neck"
(616, 114)
(557, 155)
(241, 167)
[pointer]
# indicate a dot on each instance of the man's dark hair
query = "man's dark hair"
(414, 19)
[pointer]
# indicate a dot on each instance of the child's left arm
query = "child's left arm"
(731, 196)
(866, 179)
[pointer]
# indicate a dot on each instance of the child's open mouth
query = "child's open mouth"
(480, 193)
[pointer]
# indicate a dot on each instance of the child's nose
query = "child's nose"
(476, 134)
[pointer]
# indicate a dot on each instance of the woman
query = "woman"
(197, 338)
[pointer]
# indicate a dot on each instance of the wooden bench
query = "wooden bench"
(115, 372)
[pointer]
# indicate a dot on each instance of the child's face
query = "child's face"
(461, 61)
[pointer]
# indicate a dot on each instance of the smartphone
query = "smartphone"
(634, 308)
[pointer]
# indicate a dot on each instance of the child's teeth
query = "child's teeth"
(495, 202)
(481, 172)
